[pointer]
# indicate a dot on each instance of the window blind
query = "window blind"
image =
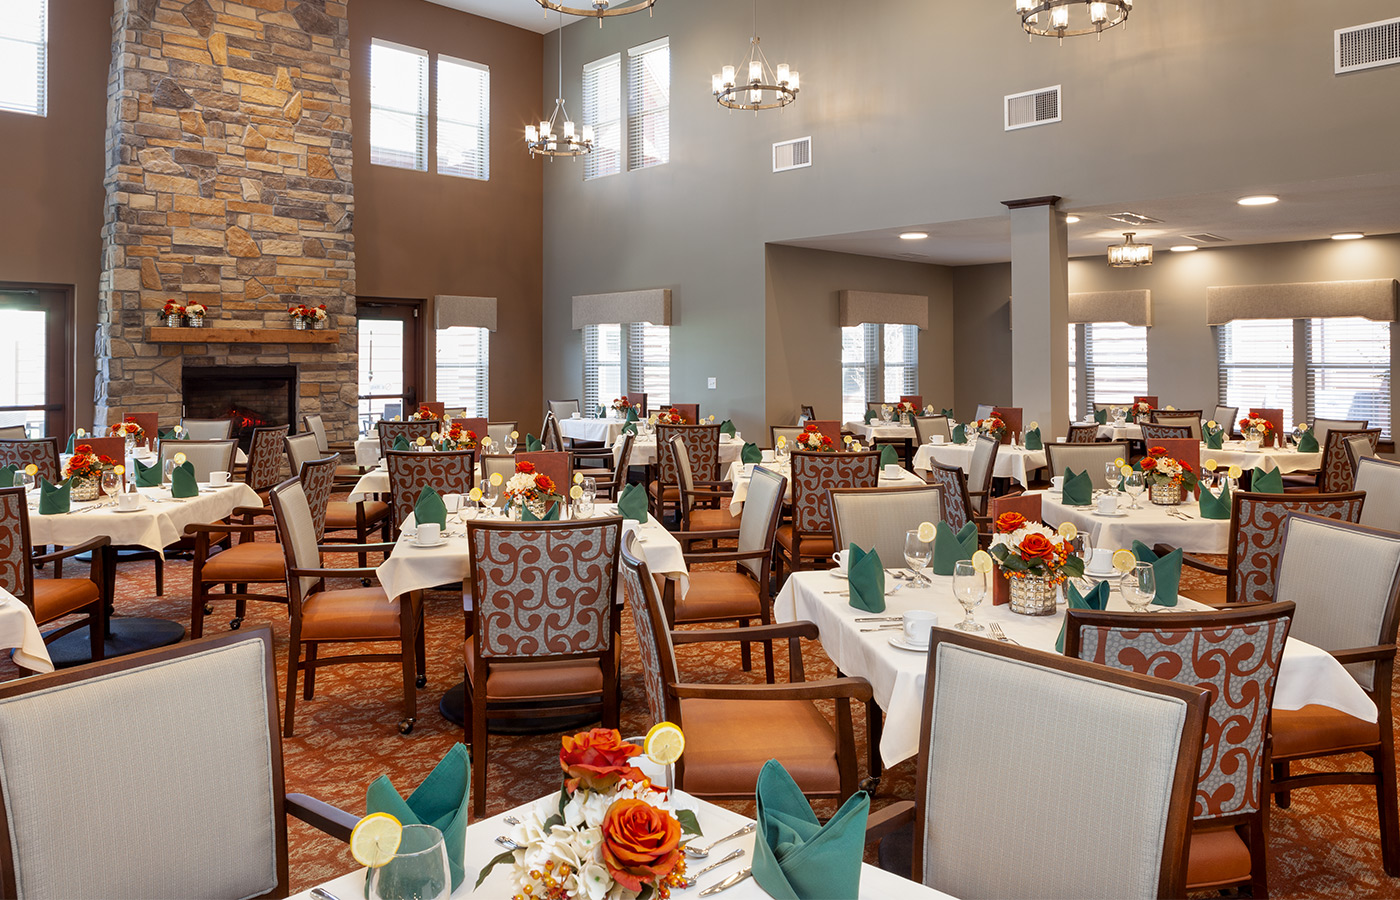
(24, 56)
(1348, 373)
(1256, 364)
(463, 118)
(602, 365)
(1073, 356)
(649, 362)
(648, 105)
(901, 361)
(1115, 362)
(857, 371)
(463, 369)
(602, 110)
(398, 113)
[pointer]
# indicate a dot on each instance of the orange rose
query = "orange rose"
(597, 760)
(641, 844)
(1147, 464)
(1010, 521)
(1037, 546)
(527, 468)
(544, 483)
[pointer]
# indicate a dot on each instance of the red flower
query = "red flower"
(1244, 423)
(1157, 451)
(1037, 546)
(526, 467)
(1185, 466)
(598, 760)
(641, 844)
(1010, 521)
(1148, 463)
(544, 483)
(811, 428)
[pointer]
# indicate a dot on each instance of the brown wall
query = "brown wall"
(419, 234)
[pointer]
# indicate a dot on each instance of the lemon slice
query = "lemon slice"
(664, 743)
(375, 839)
(120, 470)
(179, 459)
(1125, 471)
(1119, 461)
(515, 434)
(82, 432)
(1124, 561)
(982, 561)
(475, 495)
(1033, 426)
(575, 492)
(846, 438)
(1068, 532)
(422, 442)
(179, 429)
(1235, 472)
(926, 531)
(435, 436)
(496, 479)
(31, 470)
(782, 441)
(1209, 465)
(578, 478)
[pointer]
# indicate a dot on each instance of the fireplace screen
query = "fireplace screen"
(252, 396)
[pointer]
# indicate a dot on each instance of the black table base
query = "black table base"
(454, 705)
(130, 634)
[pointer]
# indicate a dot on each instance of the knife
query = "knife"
(728, 883)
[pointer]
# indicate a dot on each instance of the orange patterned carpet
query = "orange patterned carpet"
(1325, 845)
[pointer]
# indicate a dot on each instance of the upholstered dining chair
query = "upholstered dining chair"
(1228, 417)
(980, 472)
(984, 410)
(301, 449)
(611, 488)
(996, 703)
(702, 441)
(926, 427)
(1234, 654)
(42, 452)
(51, 599)
(1338, 471)
(700, 512)
(1181, 418)
(638, 401)
(880, 518)
(315, 427)
(1153, 431)
(789, 433)
(805, 411)
(207, 429)
(543, 626)
(956, 504)
(562, 409)
(557, 465)
(313, 423)
(13, 433)
(265, 455)
(499, 431)
(550, 436)
(447, 472)
(323, 616)
(206, 456)
(349, 521)
(1091, 458)
(1323, 427)
(408, 429)
(1379, 480)
(1357, 625)
(502, 464)
(1359, 447)
(1082, 434)
(808, 537)
(732, 730)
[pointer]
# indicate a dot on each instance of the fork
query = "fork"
(1001, 635)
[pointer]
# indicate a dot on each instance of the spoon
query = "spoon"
(690, 880)
(701, 852)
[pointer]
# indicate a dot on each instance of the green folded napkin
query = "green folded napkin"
(1101, 416)
(1215, 440)
(53, 499)
(7, 475)
(182, 481)
(440, 801)
(866, 576)
(1270, 482)
(750, 453)
(727, 427)
(1097, 598)
(960, 434)
(870, 414)
(429, 508)
(602, 411)
(1033, 441)
(1307, 443)
(629, 428)
(401, 443)
(147, 476)
(167, 434)
(1166, 571)
(795, 856)
(888, 456)
(633, 503)
(631, 414)
(1213, 507)
(1078, 490)
(950, 547)
(948, 413)
(532, 444)
(72, 440)
(551, 515)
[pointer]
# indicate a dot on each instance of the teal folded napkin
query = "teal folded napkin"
(888, 456)
(1166, 572)
(1307, 443)
(960, 434)
(948, 413)
(401, 443)
(72, 440)
(1033, 441)
(629, 428)
(54, 499)
(7, 475)
(795, 856)
(1078, 490)
(869, 414)
(440, 801)
(1101, 416)
(1213, 507)
(631, 414)
(532, 444)
(866, 576)
(750, 453)
(602, 411)
(429, 508)
(1270, 482)
(727, 427)
(551, 515)
(1215, 440)
(147, 476)
(950, 547)
(633, 503)
(167, 434)
(1097, 598)
(182, 481)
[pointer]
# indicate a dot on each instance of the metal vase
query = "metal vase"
(173, 320)
(1032, 595)
(1167, 494)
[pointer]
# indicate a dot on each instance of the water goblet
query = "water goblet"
(166, 470)
(417, 871)
(1139, 587)
(583, 507)
(589, 485)
(969, 586)
(510, 443)
(489, 495)
(111, 485)
(918, 554)
(1135, 485)
(25, 479)
(1111, 474)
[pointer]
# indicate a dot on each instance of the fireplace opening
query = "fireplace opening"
(252, 396)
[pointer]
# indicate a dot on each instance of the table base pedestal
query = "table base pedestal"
(130, 634)
(454, 706)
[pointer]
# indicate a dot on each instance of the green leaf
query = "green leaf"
(689, 824)
(645, 893)
(508, 856)
(556, 819)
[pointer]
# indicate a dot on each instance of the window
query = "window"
(24, 56)
(649, 362)
(649, 106)
(398, 106)
(463, 118)
(1115, 362)
(879, 363)
(463, 369)
(35, 352)
(1073, 355)
(602, 365)
(646, 366)
(1256, 364)
(602, 110)
(1348, 373)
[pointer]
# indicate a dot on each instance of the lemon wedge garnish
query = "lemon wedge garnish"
(1119, 461)
(1235, 472)
(31, 470)
(575, 492)
(375, 839)
(1124, 561)
(927, 531)
(497, 479)
(474, 495)
(120, 470)
(1125, 471)
(578, 478)
(664, 743)
(422, 442)
(1068, 532)
(435, 436)
(1033, 426)
(782, 441)
(82, 432)
(515, 434)
(982, 561)
(1209, 465)
(180, 459)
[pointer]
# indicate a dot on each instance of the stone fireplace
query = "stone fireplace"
(252, 396)
(228, 184)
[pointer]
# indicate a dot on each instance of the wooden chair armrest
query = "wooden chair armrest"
(882, 823)
(801, 629)
(826, 689)
(320, 815)
(356, 548)
(84, 547)
(333, 573)
(1364, 654)
(722, 555)
(1189, 560)
(226, 528)
(252, 511)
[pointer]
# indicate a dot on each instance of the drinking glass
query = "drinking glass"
(111, 485)
(1135, 485)
(25, 479)
(1139, 587)
(166, 470)
(510, 444)
(489, 495)
(589, 486)
(417, 871)
(780, 453)
(918, 554)
(969, 586)
(583, 507)
(1111, 474)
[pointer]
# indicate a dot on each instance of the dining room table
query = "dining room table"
(1112, 431)
(1286, 459)
(1012, 462)
(644, 450)
(593, 430)
(740, 474)
(885, 432)
(866, 644)
(1180, 526)
(20, 635)
(376, 481)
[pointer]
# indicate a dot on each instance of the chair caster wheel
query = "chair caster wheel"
(870, 785)
(406, 726)
(208, 609)
(235, 623)
(364, 582)
(422, 681)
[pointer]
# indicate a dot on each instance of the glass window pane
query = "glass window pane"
(381, 357)
(463, 366)
(398, 124)
(1349, 371)
(22, 359)
(1256, 365)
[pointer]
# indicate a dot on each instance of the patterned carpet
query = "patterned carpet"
(1325, 845)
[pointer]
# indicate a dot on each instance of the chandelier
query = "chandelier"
(1129, 254)
(600, 8)
(766, 88)
(1102, 14)
(544, 140)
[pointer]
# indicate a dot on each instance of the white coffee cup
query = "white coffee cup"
(1057, 483)
(893, 470)
(1251, 446)
(917, 624)
(218, 478)
(429, 533)
(935, 439)
(1108, 503)
(576, 415)
(839, 557)
(453, 502)
(738, 436)
(1100, 561)
(128, 501)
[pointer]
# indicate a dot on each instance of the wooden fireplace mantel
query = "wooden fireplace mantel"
(224, 334)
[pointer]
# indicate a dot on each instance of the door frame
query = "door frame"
(410, 311)
(59, 381)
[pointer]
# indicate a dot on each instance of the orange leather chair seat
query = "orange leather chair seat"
(341, 513)
(728, 741)
(57, 597)
(348, 615)
(673, 494)
(1317, 729)
(250, 561)
(1216, 857)
(718, 595)
(817, 546)
(347, 471)
(713, 520)
(1208, 596)
(529, 680)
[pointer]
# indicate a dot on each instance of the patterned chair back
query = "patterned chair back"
(301, 449)
(690, 412)
(982, 467)
(1337, 471)
(1152, 431)
(265, 457)
(562, 409)
(926, 427)
(684, 479)
(1013, 417)
(410, 471)
(621, 463)
(544, 589)
(880, 518)
(1235, 654)
(952, 492)
(1256, 536)
(813, 477)
(1091, 458)
(207, 456)
(638, 401)
(317, 476)
(317, 426)
(1379, 479)
(554, 463)
(658, 654)
(207, 429)
(42, 452)
(499, 431)
(408, 429)
(701, 441)
(550, 437)
(763, 511)
(1082, 434)
(296, 532)
(16, 575)
(1188, 418)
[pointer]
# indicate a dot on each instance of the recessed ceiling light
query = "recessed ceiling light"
(1258, 200)
(1348, 236)
(913, 235)
(1071, 220)
(1184, 248)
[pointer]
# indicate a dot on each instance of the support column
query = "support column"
(1040, 314)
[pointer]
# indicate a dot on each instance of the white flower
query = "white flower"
(595, 807)
(595, 881)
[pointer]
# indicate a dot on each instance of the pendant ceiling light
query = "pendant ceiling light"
(600, 9)
(1057, 14)
(764, 88)
(1129, 254)
(545, 140)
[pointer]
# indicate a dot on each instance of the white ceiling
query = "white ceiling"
(525, 14)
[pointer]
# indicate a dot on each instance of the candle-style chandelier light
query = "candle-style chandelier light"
(1057, 21)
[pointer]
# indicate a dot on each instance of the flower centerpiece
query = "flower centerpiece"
(424, 414)
(1166, 478)
(670, 416)
(907, 411)
(194, 314)
(532, 488)
(129, 429)
(457, 438)
(992, 426)
(172, 312)
(812, 439)
(319, 317)
(620, 407)
(84, 471)
(1256, 428)
(1138, 410)
(1035, 559)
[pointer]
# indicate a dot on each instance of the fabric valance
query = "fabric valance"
(465, 312)
(652, 306)
(1374, 300)
(860, 307)
(1131, 307)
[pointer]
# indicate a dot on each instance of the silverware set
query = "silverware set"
(1184, 516)
(1001, 635)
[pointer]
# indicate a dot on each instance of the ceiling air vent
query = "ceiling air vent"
(1132, 218)
(1205, 237)
(794, 154)
(1366, 46)
(1037, 107)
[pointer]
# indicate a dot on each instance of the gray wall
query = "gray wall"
(982, 331)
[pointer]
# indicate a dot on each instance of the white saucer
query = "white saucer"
(837, 573)
(1109, 574)
(118, 509)
(898, 641)
(1113, 515)
(438, 543)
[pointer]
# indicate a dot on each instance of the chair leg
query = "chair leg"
(1383, 759)
(745, 656)
(309, 690)
(198, 598)
(1282, 798)
(361, 533)
(421, 652)
(293, 664)
(97, 631)
(476, 740)
(160, 577)
(409, 628)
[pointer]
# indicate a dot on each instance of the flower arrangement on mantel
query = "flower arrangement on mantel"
(172, 310)
(304, 316)
(129, 429)
(671, 416)
(424, 414)
(196, 311)
(85, 465)
(1025, 549)
(811, 439)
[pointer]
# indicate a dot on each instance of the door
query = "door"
(391, 365)
(36, 365)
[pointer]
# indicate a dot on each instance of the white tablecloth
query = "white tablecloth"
(376, 481)
(366, 451)
(1306, 674)
(18, 631)
(1286, 460)
(603, 431)
(1151, 524)
(159, 522)
(740, 475)
(1111, 432)
(876, 431)
(644, 451)
(1012, 462)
